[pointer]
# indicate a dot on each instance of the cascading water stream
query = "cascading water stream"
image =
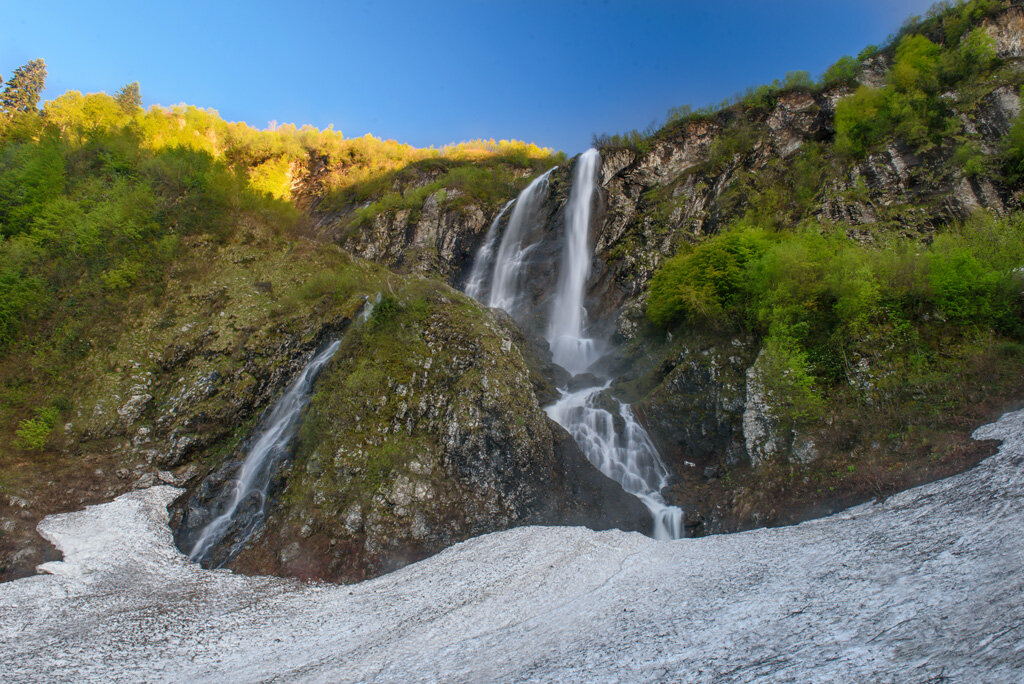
(621, 449)
(616, 444)
(569, 348)
(485, 257)
(244, 505)
(506, 281)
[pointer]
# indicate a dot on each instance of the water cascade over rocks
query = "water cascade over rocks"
(614, 442)
(506, 280)
(569, 347)
(485, 257)
(241, 507)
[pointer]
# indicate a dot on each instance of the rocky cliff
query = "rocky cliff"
(771, 160)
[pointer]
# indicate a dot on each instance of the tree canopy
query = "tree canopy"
(21, 94)
(129, 98)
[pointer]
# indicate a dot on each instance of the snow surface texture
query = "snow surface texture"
(929, 584)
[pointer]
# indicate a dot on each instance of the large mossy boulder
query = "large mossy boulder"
(425, 430)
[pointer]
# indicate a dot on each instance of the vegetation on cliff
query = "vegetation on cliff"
(160, 285)
(99, 198)
(862, 235)
(809, 290)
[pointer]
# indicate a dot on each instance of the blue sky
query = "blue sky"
(430, 73)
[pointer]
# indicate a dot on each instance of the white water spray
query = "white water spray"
(512, 252)
(569, 348)
(485, 257)
(620, 448)
(249, 493)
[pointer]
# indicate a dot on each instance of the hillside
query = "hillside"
(811, 294)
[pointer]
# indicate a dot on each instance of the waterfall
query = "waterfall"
(623, 453)
(485, 257)
(615, 443)
(243, 506)
(512, 252)
(570, 349)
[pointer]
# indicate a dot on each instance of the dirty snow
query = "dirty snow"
(929, 584)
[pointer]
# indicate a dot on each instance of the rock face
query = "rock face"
(765, 436)
(696, 414)
(922, 587)
(434, 239)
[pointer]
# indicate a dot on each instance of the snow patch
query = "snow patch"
(927, 584)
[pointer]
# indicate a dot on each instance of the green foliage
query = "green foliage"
(867, 53)
(705, 281)
(1012, 153)
(737, 139)
(383, 312)
(335, 284)
(129, 98)
(957, 18)
(787, 374)
(861, 121)
(636, 140)
(843, 72)
(911, 106)
(974, 275)
(762, 96)
(972, 159)
(810, 292)
(797, 80)
(23, 88)
(90, 210)
(487, 182)
(272, 177)
(976, 55)
(32, 433)
(31, 174)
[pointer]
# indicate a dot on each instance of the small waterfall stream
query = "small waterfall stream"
(243, 506)
(485, 257)
(615, 443)
(506, 281)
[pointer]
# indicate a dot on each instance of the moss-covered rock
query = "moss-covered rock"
(425, 430)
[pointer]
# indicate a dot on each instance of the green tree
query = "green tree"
(797, 80)
(843, 71)
(129, 98)
(21, 94)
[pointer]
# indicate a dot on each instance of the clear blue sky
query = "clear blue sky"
(433, 72)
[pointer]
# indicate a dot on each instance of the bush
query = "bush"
(1012, 153)
(707, 281)
(971, 159)
(861, 121)
(32, 433)
(797, 80)
(911, 106)
(809, 293)
(843, 72)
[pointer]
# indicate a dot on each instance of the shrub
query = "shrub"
(706, 281)
(861, 121)
(1012, 152)
(32, 433)
(787, 376)
(971, 159)
(797, 80)
(843, 72)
